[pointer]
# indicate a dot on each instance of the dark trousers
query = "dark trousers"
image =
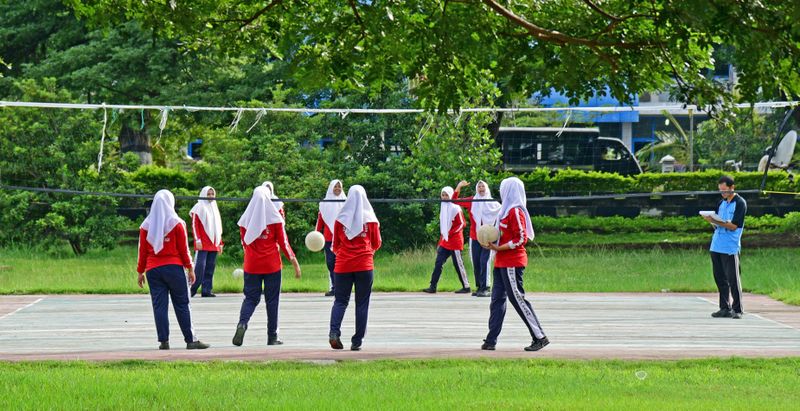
(344, 284)
(204, 264)
(480, 264)
(442, 254)
(170, 282)
(330, 261)
(508, 286)
(726, 274)
(254, 286)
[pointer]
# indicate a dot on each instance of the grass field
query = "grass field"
(767, 271)
(431, 384)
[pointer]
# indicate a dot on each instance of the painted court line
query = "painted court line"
(21, 308)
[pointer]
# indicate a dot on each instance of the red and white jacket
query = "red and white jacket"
(473, 230)
(262, 256)
(201, 240)
(357, 254)
(512, 232)
(456, 234)
(323, 228)
(175, 251)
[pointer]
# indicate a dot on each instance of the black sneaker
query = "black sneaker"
(464, 290)
(737, 316)
(336, 342)
(208, 295)
(475, 294)
(538, 344)
(483, 293)
(164, 345)
(197, 345)
(429, 290)
(355, 347)
(238, 338)
(487, 346)
(274, 340)
(330, 293)
(722, 314)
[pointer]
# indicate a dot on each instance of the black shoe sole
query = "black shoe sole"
(336, 343)
(275, 343)
(238, 338)
(355, 348)
(194, 347)
(537, 347)
(488, 347)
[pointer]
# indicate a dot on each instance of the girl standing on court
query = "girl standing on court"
(326, 218)
(261, 228)
(278, 204)
(207, 233)
(515, 230)
(356, 237)
(164, 255)
(451, 242)
(480, 213)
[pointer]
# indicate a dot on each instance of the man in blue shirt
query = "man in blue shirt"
(725, 247)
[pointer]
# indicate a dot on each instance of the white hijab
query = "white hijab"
(356, 212)
(484, 212)
(208, 214)
(512, 194)
(330, 210)
(447, 212)
(268, 184)
(161, 220)
(260, 213)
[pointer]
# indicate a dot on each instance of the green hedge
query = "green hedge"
(619, 225)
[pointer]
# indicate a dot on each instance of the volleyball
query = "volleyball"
(488, 234)
(315, 241)
(238, 273)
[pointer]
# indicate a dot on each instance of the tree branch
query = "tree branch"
(553, 36)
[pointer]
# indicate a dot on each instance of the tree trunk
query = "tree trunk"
(76, 246)
(134, 138)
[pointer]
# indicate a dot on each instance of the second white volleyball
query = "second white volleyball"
(315, 241)
(488, 234)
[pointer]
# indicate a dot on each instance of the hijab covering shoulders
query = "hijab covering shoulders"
(330, 210)
(484, 212)
(161, 219)
(356, 212)
(447, 212)
(512, 195)
(208, 214)
(260, 213)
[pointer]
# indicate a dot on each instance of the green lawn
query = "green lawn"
(734, 384)
(766, 271)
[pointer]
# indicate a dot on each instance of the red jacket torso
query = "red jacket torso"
(323, 228)
(262, 256)
(512, 232)
(473, 230)
(356, 254)
(175, 250)
(202, 242)
(456, 234)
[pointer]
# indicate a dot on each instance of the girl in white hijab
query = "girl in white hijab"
(480, 213)
(451, 242)
(207, 232)
(356, 237)
(278, 204)
(164, 254)
(326, 218)
(261, 228)
(516, 229)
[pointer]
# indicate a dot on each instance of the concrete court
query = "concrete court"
(402, 325)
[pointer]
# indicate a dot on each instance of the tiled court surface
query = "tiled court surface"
(402, 325)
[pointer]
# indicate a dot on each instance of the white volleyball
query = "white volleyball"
(238, 273)
(488, 234)
(315, 241)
